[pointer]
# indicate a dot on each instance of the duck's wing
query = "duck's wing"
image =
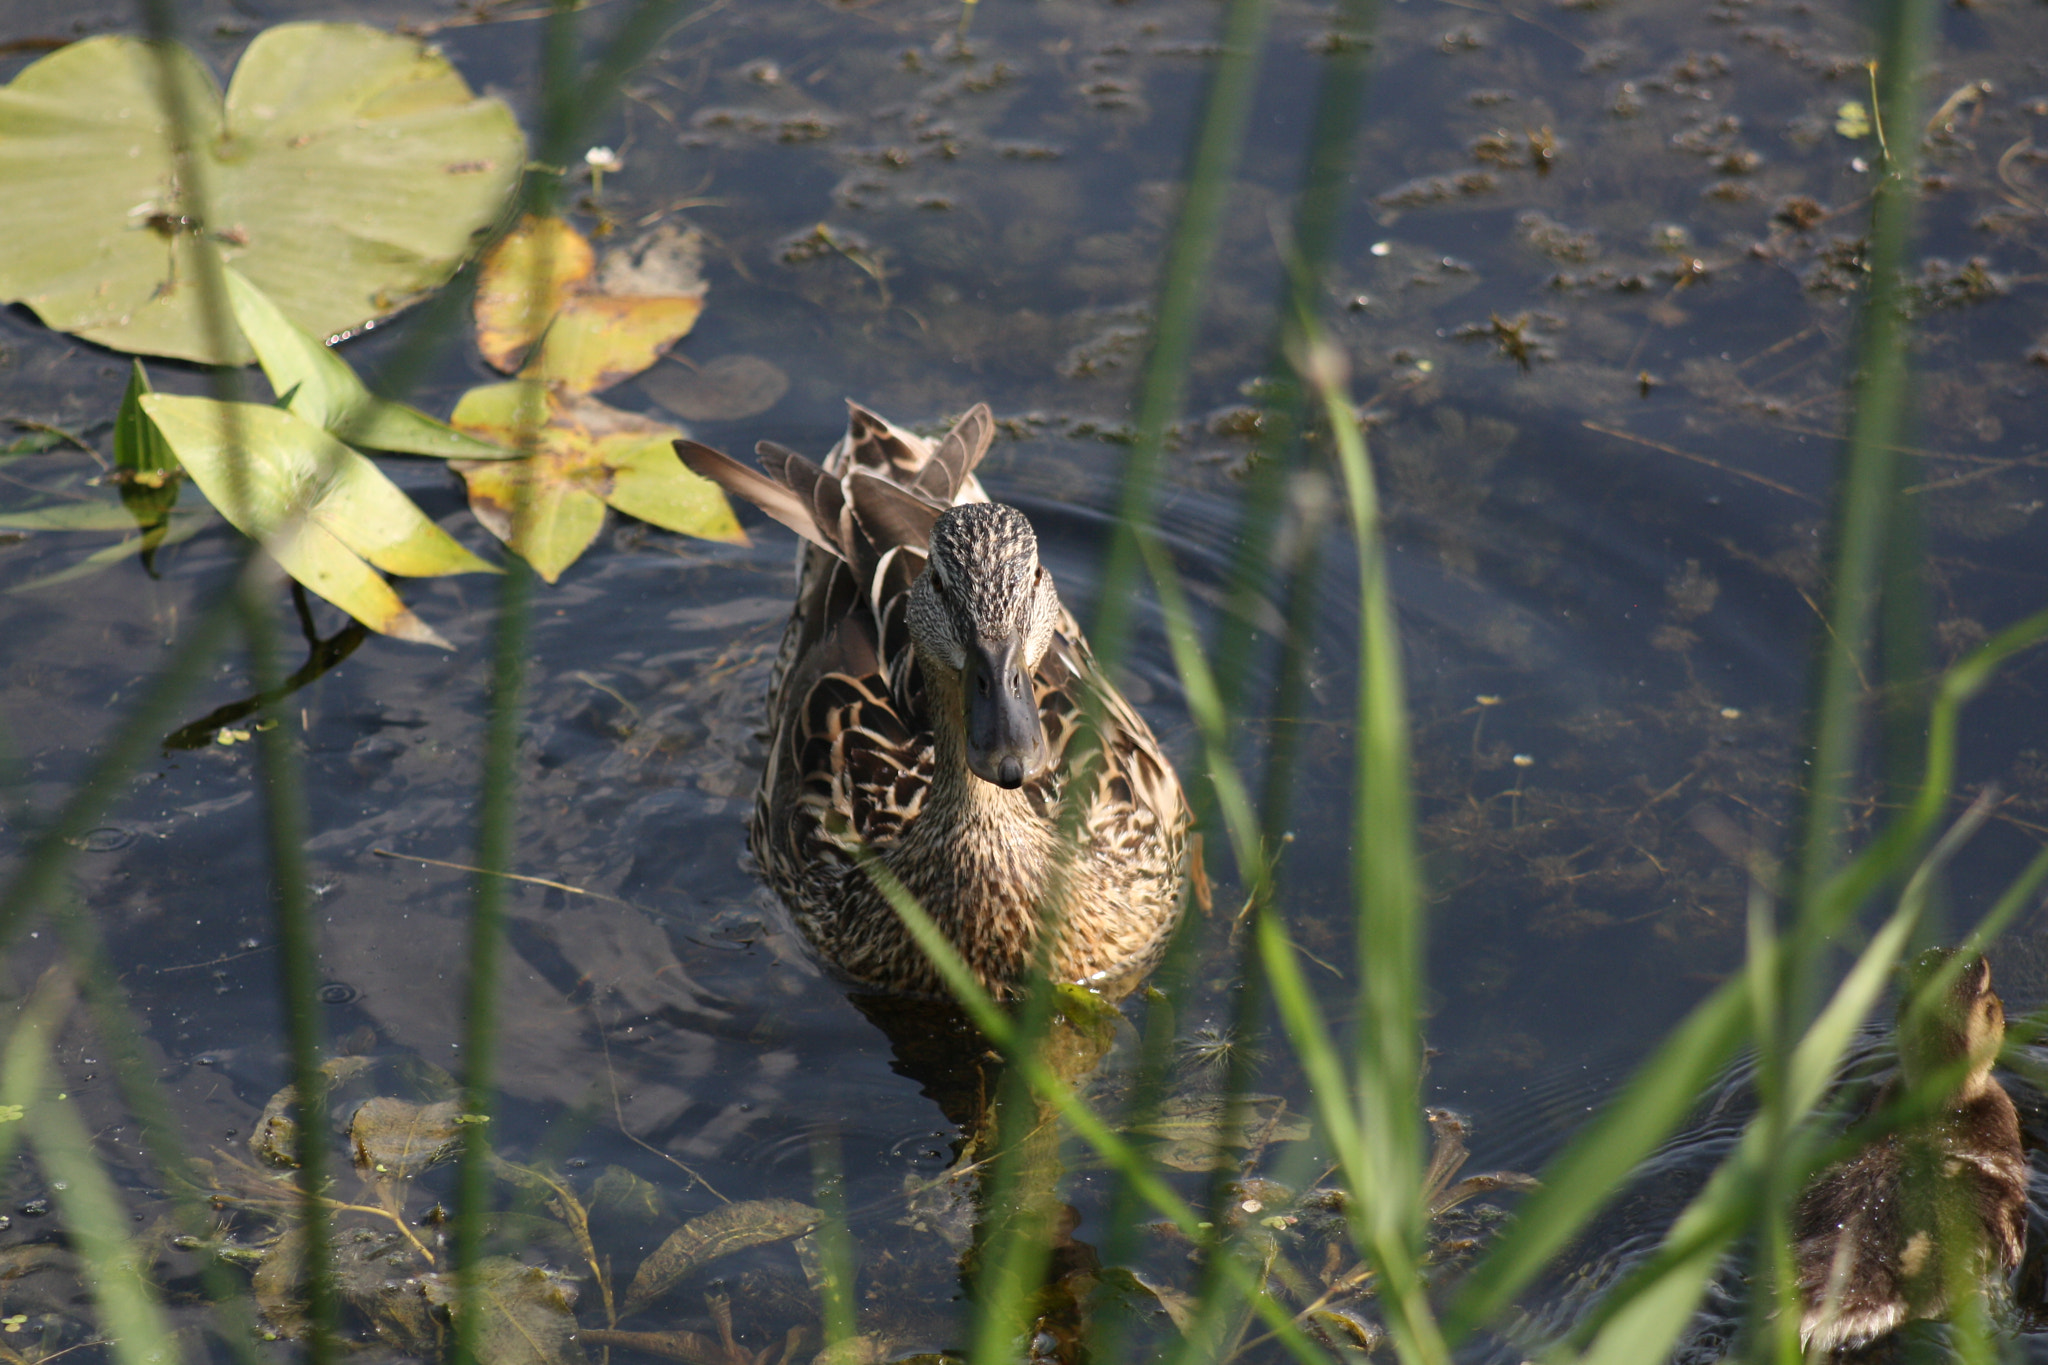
(1132, 798)
(850, 735)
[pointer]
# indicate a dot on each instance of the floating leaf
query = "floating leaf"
(521, 284)
(598, 324)
(1852, 120)
(348, 172)
(721, 390)
(586, 454)
(318, 507)
(525, 1315)
(397, 1139)
(326, 392)
(702, 1240)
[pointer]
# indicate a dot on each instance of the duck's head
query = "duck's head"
(1967, 1021)
(983, 612)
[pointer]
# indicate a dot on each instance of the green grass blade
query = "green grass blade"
(1583, 1178)
(130, 1313)
(1219, 134)
(1878, 412)
(1109, 1145)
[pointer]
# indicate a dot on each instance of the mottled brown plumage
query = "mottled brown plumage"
(929, 708)
(1885, 1236)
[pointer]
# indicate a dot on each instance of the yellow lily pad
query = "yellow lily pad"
(320, 509)
(585, 454)
(522, 283)
(349, 171)
(596, 323)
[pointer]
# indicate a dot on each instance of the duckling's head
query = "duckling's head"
(983, 612)
(1967, 1021)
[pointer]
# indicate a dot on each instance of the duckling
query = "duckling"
(1883, 1237)
(933, 707)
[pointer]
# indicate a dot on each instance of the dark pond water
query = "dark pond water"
(1597, 285)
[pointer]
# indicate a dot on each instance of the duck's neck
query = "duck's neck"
(977, 857)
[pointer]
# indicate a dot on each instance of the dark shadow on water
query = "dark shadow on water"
(321, 656)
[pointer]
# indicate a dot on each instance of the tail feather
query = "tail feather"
(777, 500)
(889, 515)
(956, 457)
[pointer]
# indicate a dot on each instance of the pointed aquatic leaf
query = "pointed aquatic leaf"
(318, 507)
(139, 450)
(145, 467)
(597, 325)
(702, 1240)
(178, 528)
(69, 516)
(650, 483)
(327, 393)
(585, 454)
(348, 172)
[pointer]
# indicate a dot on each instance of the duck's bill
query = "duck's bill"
(1005, 740)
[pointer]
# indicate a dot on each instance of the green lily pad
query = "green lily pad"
(586, 454)
(347, 172)
(327, 393)
(318, 507)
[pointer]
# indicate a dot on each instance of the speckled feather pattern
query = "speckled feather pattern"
(858, 767)
(1873, 1236)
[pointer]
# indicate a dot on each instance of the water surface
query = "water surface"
(1597, 284)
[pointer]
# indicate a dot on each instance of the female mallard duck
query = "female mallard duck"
(927, 710)
(1882, 1237)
